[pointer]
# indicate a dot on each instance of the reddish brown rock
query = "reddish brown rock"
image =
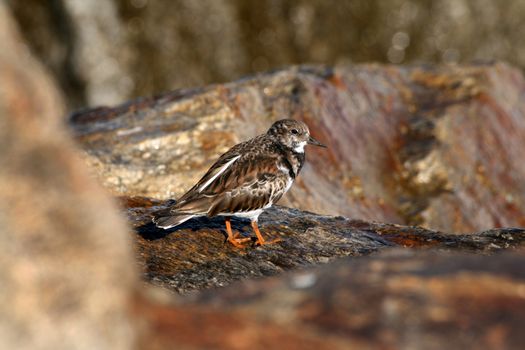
(403, 287)
(195, 255)
(435, 146)
(399, 300)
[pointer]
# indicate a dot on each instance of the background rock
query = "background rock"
(434, 146)
(107, 51)
(195, 255)
(66, 269)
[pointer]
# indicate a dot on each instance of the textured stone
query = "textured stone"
(397, 300)
(195, 255)
(434, 146)
(401, 287)
(66, 268)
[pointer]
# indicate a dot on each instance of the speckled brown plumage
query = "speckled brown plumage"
(247, 179)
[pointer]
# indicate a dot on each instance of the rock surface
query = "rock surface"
(194, 256)
(433, 146)
(66, 267)
(396, 300)
(404, 287)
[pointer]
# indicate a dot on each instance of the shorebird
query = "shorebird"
(246, 180)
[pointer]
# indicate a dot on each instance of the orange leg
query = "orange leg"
(237, 242)
(260, 238)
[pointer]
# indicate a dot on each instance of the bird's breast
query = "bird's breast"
(295, 162)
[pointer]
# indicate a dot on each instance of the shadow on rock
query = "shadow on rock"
(151, 232)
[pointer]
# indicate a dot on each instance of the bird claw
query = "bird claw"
(264, 242)
(239, 242)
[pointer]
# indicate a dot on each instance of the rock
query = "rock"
(48, 32)
(401, 299)
(399, 286)
(98, 50)
(433, 146)
(108, 51)
(66, 268)
(194, 256)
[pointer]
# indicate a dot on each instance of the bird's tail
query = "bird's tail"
(167, 222)
(167, 219)
(181, 212)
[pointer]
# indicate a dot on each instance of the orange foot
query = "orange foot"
(260, 238)
(239, 242)
(234, 239)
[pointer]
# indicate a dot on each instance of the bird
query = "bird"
(247, 179)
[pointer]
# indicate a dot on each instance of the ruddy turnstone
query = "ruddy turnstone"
(245, 180)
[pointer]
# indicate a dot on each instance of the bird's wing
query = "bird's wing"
(212, 175)
(250, 196)
(236, 175)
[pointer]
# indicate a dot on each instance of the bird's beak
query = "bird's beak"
(312, 141)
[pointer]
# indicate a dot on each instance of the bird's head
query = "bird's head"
(292, 134)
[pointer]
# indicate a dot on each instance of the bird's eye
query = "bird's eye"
(294, 131)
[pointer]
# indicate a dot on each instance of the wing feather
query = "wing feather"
(240, 180)
(217, 172)
(256, 188)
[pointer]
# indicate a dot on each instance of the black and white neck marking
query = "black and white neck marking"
(293, 158)
(300, 147)
(295, 161)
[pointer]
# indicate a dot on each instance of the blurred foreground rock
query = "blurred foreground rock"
(66, 268)
(396, 300)
(195, 256)
(434, 146)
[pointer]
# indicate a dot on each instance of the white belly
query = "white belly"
(253, 215)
